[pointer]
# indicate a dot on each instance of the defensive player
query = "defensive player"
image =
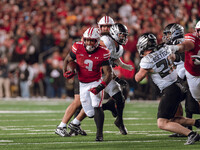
(155, 61)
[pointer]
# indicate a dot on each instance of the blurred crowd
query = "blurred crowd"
(36, 35)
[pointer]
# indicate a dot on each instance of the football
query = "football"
(72, 66)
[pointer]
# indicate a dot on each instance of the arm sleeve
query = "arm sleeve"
(105, 63)
(73, 56)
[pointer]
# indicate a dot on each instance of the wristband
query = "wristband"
(104, 83)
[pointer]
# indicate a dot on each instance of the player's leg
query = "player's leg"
(194, 86)
(114, 90)
(98, 114)
(168, 105)
(191, 107)
(90, 101)
(74, 125)
(179, 113)
(62, 127)
(110, 105)
(69, 112)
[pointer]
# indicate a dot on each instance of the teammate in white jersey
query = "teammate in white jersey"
(155, 61)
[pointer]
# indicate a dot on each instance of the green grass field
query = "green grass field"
(27, 125)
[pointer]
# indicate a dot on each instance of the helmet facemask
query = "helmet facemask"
(173, 33)
(105, 21)
(90, 47)
(147, 41)
(91, 36)
(197, 29)
(119, 33)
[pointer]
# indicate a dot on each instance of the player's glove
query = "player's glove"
(173, 48)
(100, 87)
(69, 74)
(196, 59)
(121, 81)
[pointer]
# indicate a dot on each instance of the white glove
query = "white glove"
(196, 59)
(173, 48)
(128, 67)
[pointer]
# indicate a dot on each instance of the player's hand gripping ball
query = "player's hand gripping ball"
(72, 68)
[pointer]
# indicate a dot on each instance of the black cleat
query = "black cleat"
(73, 133)
(177, 135)
(62, 131)
(77, 129)
(99, 138)
(121, 127)
(192, 138)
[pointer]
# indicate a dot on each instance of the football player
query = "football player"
(104, 25)
(155, 61)
(90, 58)
(173, 35)
(191, 47)
(114, 41)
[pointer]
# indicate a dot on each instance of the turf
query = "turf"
(28, 125)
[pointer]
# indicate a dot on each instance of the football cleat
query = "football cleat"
(73, 133)
(62, 131)
(192, 138)
(121, 127)
(99, 138)
(177, 135)
(77, 129)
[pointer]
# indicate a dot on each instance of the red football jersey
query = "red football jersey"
(89, 64)
(189, 64)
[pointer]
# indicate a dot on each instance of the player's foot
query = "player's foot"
(176, 135)
(62, 131)
(73, 133)
(197, 123)
(77, 128)
(192, 138)
(99, 138)
(121, 127)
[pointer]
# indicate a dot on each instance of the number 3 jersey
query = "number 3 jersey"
(163, 74)
(89, 63)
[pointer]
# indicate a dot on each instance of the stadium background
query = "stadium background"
(36, 35)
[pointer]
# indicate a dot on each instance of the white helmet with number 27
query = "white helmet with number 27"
(92, 34)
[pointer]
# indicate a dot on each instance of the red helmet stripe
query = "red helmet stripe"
(90, 31)
(107, 19)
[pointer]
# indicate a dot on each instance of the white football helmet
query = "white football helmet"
(91, 33)
(119, 33)
(106, 20)
(197, 28)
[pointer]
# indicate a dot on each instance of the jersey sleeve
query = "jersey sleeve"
(146, 63)
(74, 48)
(190, 37)
(106, 57)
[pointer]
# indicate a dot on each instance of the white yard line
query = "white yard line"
(90, 142)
